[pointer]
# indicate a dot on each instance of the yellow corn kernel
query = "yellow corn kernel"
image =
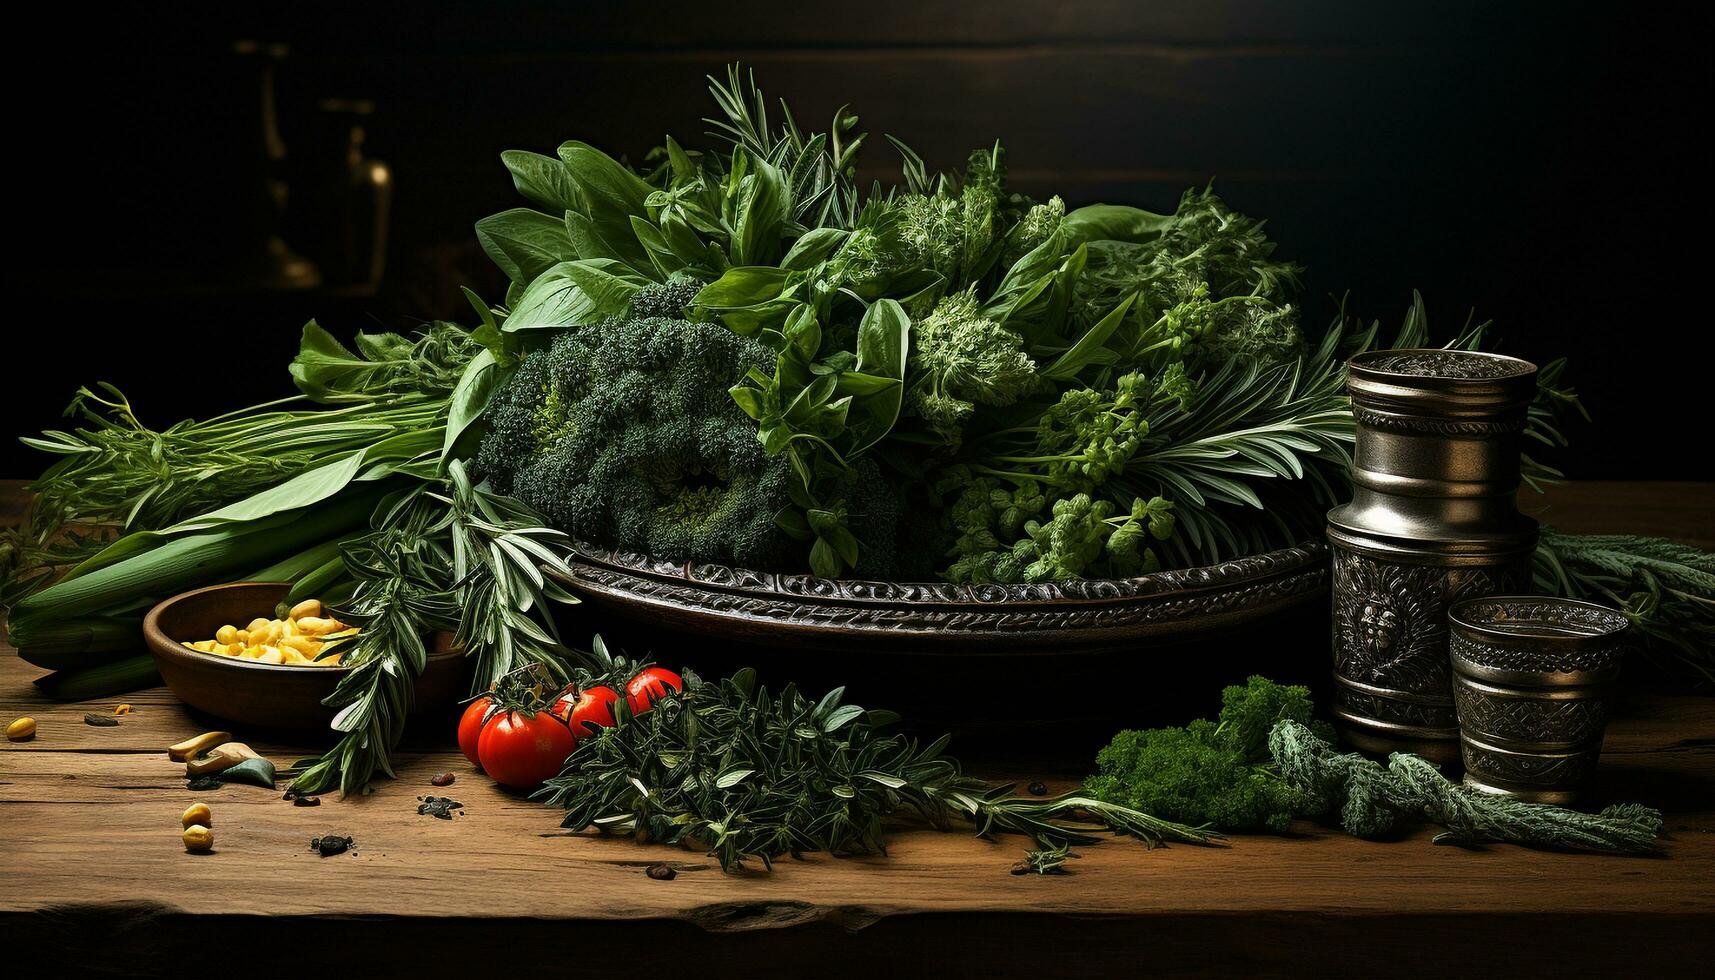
(198, 839)
(198, 815)
(256, 624)
(21, 730)
(227, 634)
(241, 637)
(309, 607)
(314, 625)
(302, 644)
(271, 655)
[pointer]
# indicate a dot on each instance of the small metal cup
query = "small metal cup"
(1533, 681)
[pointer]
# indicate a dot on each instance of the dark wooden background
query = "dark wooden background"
(1542, 163)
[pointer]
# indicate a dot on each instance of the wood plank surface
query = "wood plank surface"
(91, 819)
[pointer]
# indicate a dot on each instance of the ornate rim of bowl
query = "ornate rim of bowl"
(768, 606)
(1537, 641)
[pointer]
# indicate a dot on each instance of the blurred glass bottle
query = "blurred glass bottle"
(357, 192)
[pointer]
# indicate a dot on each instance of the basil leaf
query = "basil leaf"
(1115, 222)
(544, 180)
(524, 243)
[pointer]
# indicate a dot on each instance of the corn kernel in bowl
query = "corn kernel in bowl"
(297, 640)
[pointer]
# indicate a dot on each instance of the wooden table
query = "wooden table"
(92, 871)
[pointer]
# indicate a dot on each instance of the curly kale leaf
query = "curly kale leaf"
(623, 434)
(1210, 772)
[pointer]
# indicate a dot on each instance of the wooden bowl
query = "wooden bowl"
(267, 695)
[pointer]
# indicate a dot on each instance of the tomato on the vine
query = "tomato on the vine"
(650, 685)
(590, 706)
(470, 729)
(521, 749)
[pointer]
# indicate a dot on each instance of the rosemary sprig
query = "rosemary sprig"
(727, 767)
(447, 556)
(1667, 589)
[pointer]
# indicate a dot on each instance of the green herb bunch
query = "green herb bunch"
(115, 475)
(729, 768)
(444, 556)
(1666, 588)
(1217, 773)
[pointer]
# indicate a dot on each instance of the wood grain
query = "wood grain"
(93, 844)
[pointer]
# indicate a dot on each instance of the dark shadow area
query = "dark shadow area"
(1541, 163)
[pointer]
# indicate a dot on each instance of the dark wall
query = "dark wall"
(1537, 162)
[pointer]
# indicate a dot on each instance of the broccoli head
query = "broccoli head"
(622, 433)
(667, 299)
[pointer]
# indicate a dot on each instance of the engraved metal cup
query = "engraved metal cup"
(1533, 678)
(1432, 520)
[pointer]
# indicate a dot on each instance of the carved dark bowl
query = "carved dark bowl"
(736, 605)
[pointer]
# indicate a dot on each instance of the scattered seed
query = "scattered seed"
(198, 813)
(661, 872)
(1038, 788)
(21, 730)
(123, 709)
(99, 721)
(444, 779)
(198, 839)
(438, 806)
(330, 844)
(306, 800)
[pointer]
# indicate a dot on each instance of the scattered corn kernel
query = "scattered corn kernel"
(199, 815)
(122, 709)
(298, 639)
(198, 839)
(21, 730)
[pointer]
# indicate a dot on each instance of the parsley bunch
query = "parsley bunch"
(1215, 773)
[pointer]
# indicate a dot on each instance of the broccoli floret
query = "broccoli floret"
(1210, 772)
(623, 434)
(667, 299)
(874, 509)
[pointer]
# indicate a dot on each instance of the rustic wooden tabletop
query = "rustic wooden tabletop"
(92, 871)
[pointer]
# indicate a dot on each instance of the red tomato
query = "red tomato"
(470, 727)
(592, 705)
(651, 684)
(521, 750)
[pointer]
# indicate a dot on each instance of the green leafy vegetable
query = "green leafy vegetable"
(1210, 772)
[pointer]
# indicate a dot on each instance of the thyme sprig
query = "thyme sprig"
(727, 767)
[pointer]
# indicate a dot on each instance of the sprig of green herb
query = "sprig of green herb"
(1666, 588)
(727, 767)
(449, 557)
